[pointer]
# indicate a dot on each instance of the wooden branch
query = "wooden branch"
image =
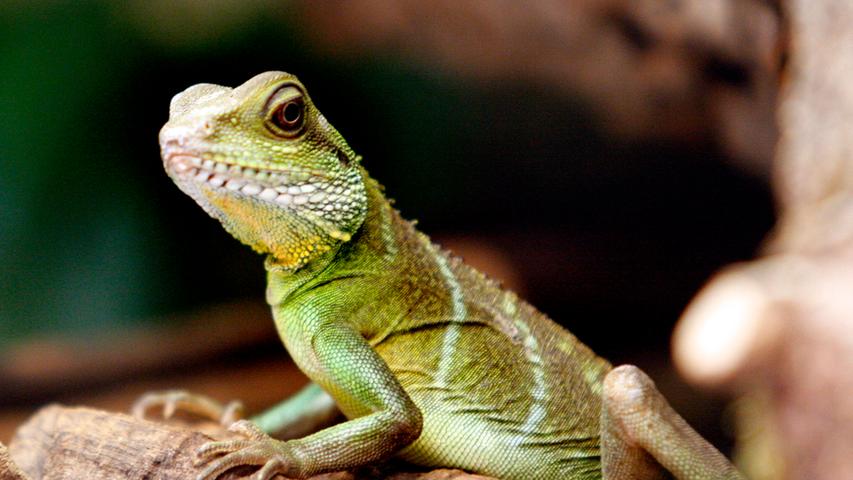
(61, 442)
(71, 443)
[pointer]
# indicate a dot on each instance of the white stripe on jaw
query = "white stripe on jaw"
(250, 182)
(459, 312)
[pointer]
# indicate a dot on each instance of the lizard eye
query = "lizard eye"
(289, 117)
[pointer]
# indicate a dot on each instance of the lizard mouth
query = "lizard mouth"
(281, 187)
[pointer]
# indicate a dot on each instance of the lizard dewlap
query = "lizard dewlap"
(427, 358)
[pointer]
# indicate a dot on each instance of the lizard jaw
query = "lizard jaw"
(308, 194)
(273, 186)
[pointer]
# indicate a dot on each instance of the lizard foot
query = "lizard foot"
(257, 449)
(172, 401)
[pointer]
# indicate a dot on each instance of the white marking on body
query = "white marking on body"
(459, 312)
(508, 304)
(594, 380)
(387, 233)
(539, 391)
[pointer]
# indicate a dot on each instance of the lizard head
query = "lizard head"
(264, 161)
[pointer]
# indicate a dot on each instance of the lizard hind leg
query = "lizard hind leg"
(642, 437)
(171, 401)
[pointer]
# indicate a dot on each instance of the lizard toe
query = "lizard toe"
(273, 467)
(167, 401)
(269, 454)
(211, 450)
(172, 401)
(248, 429)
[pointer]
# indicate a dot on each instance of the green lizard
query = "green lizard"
(427, 358)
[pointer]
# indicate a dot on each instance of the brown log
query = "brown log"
(73, 442)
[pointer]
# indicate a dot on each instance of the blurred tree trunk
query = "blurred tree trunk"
(781, 327)
(685, 70)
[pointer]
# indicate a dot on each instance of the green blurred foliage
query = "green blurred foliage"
(91, 233)
(75, 238)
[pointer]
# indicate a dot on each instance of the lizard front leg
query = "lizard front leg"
(383, 419)
(643, 437)
(308, 411)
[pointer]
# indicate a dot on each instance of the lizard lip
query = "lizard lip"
(180, 162)
(274, 186)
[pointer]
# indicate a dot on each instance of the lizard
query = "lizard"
(427, 359)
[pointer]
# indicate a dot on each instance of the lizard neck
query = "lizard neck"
(374, 238)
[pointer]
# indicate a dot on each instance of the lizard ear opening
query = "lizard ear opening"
(342, 157)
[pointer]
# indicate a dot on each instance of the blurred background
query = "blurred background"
(601, 158)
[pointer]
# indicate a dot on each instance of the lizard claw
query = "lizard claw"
(172, 401)
(249, 430)
(273, 467)
(259, 449)
(253, 434)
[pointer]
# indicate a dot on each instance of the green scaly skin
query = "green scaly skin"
(428, 359)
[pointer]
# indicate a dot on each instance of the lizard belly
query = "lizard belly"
(491, 407)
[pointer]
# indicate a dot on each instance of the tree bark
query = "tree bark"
(70, 443)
